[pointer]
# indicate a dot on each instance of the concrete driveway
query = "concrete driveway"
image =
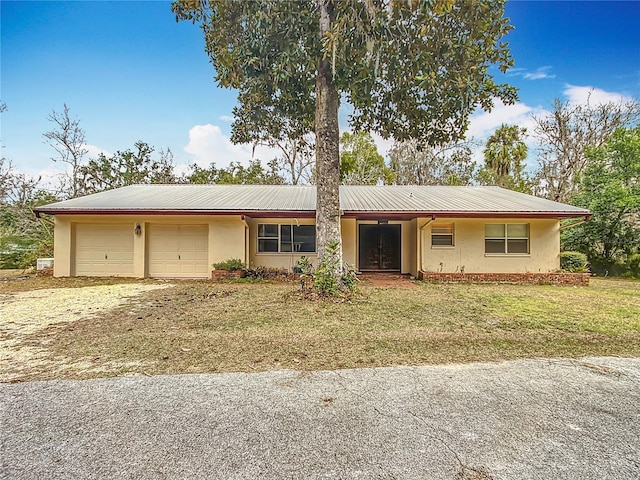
(528, 419)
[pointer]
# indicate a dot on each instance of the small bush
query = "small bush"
(327, 283)
(574, 262)
(231, 264)
(349, 278)
(632, 265)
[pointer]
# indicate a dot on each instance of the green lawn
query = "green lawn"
(208, 327)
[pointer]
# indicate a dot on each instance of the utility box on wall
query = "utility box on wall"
(43, 263)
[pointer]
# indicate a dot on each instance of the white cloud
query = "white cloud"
(540, 73)
(482, 124)
(209, 145)
(94, 151)
(50, 178)
(383, 145)
(226, 118)
(578, 95)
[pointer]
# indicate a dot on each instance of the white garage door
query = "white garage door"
(178, 251)
(104, 250)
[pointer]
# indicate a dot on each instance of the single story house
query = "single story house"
(176, 231)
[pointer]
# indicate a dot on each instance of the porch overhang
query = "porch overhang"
(404, 215)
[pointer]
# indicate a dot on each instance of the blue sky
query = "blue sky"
(129, 72)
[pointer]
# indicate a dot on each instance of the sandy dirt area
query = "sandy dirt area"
(26, 313)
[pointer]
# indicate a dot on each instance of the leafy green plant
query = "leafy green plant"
(574, 262)
(326, 282)
(304, 268)
(349, 278)
(632, 266)
(230, 264)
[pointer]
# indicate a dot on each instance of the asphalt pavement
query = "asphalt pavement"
(525, 419)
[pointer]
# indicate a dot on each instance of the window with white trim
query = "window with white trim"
(442, 235)
(284, 238)
(506, 238)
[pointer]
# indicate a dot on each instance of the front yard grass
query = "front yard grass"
(197, 327)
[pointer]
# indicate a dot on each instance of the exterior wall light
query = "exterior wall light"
(138, 229)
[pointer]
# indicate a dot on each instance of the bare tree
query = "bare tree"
(417, 164)
(6, 179)
(68, 140)
(297, 157)
(564, 135)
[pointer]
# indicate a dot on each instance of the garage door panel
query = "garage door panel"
(178, 251)
(103, 250)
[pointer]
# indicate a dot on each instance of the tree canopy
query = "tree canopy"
(67, 138)
(23, 237)
(236, 173)
(360, 162)
(610, 188)
(504, 158)
(409, 69)
(126, 167)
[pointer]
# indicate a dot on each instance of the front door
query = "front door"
(379, 247)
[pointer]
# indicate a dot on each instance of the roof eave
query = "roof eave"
(359, 214)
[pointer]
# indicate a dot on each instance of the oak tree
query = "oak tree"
(408, 69)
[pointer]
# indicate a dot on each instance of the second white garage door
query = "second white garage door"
(178, 251)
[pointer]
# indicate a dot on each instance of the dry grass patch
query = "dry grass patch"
(29, 281)
(194, 327)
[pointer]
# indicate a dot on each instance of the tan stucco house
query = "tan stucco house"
(179, 231)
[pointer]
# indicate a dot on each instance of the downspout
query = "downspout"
(420, 256)
(246, 241)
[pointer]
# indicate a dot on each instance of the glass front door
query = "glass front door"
(379, 247)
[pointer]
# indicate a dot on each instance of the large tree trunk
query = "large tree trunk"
(327, 150)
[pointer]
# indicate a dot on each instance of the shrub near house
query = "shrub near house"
(232, 268)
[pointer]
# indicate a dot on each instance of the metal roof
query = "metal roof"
(282, 200)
